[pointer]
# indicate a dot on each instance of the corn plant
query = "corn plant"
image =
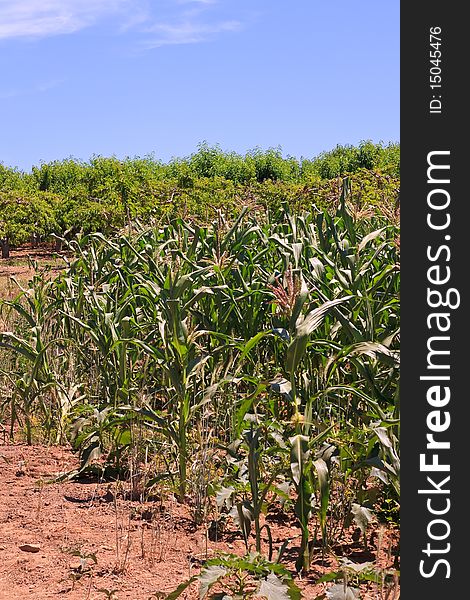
(250, 576)
(257, 468)
(275, 330)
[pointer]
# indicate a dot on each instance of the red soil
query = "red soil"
(140, 549)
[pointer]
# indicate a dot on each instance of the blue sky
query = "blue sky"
(139, 77)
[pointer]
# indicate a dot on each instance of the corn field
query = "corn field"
(241, 365)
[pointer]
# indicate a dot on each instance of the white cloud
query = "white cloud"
(43, 18)
(158, 23)
(187, 32)
(196, 21)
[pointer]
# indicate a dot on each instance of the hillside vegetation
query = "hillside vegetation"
(106, 194)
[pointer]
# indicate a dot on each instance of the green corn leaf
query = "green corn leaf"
(340, 591)
(299, 456)
(242, 514)
(324, 485)
(362, 516)
(369, 237)
(252, 342)
(273, 588)
(316, 317)
(298, 305)
(181, 588)
(208, 576)
(295, 353)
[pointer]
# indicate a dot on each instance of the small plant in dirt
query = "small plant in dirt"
(353, 574)
(257, 464)
(85, 559)
(231, 577)
(84, 565)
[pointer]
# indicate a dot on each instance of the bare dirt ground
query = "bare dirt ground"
(21, 267)
(92, 540)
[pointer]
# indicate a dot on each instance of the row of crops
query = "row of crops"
(105, 194)
(247, 364)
